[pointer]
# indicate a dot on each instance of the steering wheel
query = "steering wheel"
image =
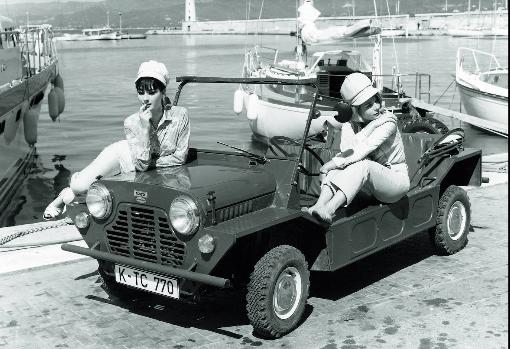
(451, 141)
(278, 141)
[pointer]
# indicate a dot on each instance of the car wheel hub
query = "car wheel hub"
(457, 219)
(287, 293)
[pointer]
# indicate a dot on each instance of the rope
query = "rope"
(393, 39)
(59, 223)
(442, 94)
(453, 97)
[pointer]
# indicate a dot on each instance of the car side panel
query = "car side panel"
(380, 226)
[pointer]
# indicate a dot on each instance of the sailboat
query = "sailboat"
(282, 110)
(482, 84)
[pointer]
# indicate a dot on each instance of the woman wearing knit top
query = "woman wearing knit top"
(376, 163)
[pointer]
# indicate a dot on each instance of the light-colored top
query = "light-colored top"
(167, 144)
(382, 143)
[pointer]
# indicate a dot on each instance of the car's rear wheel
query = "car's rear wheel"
(277, 291)
(453, 220)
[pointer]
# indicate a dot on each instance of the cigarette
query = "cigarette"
(146, 106)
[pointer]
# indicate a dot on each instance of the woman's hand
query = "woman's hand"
(328, 166)
(145, 116)
(387, 117)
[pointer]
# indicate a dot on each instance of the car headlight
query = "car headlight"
(99, 201)
(184, 215)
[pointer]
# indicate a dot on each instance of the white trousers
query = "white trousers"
(114, 159)
(386, 184)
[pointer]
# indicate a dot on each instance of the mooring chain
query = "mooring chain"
(59, 223)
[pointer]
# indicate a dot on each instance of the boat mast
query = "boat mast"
(299, 40)
(377, 72)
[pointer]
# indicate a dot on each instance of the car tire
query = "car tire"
(277, 292)
(424, 125)
(115, 290)
(453, 221)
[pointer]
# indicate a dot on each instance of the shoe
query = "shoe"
(52, 212)
(306, 210)
(327, 220)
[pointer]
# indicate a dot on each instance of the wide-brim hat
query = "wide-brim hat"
(155, 70)
(357, 89)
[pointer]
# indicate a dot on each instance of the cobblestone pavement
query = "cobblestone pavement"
(403, 297)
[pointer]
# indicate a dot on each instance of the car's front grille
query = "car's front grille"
(145, 234)
(234, 211)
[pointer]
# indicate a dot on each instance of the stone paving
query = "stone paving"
(402, 297)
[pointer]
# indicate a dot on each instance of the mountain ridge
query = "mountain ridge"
(170, 13)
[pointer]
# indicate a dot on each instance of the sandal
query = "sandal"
(52, 212)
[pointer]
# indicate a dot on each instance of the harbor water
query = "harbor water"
(99, 89)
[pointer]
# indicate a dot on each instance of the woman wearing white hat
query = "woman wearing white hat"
(157, 135)
(376, 163)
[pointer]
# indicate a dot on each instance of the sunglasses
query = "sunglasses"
(146, 86)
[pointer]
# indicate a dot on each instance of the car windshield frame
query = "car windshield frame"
(186, 79)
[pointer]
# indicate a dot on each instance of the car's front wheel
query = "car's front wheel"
(453, 220)
(277, 291)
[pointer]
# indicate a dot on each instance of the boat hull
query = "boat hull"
(281, 119)
(484, 105)
(17, 155)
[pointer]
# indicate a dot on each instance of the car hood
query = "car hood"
(231, 184)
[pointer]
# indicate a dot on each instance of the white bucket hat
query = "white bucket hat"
(357, 88)
(153, 69)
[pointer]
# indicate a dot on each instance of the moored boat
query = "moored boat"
(270, 109)
(483, 85)
(28, 61)
(89, 34)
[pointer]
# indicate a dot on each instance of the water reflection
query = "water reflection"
(35, 192)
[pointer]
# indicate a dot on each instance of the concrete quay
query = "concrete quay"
(402, 297)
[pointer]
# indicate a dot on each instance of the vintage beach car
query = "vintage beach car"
(231, 216)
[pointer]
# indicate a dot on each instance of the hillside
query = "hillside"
(170, 13)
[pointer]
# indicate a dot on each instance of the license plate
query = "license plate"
(144, 280)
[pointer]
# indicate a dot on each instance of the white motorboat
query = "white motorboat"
(104, 33)
(483, 85)
(28, 61)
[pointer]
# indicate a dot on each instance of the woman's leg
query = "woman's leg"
(387, 185)
(329, 198)
(105, 164)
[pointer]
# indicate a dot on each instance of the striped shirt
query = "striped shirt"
(167, 144)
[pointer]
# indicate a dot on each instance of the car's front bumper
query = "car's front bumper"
(157, 268)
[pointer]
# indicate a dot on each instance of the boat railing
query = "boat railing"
(9, 39)
(38, 50)
(256, 58)
(400, 85)
(475, 61)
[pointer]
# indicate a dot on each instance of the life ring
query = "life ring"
(53, 104)
(252, 107)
